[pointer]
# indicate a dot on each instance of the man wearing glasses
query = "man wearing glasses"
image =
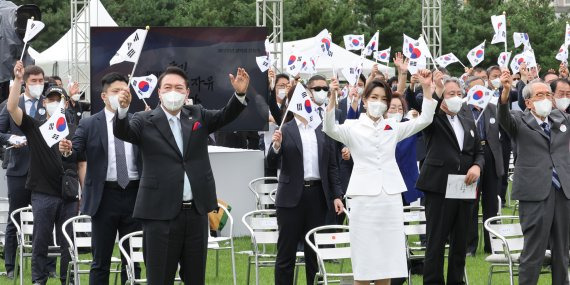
(561, 89)
(541, 181)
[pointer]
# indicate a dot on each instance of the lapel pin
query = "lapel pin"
(472, 133)
(42, 111)
(492, 121)
(563, 128)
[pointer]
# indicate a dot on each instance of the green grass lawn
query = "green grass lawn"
(477, 269)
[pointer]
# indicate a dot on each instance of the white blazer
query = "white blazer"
(373, 149)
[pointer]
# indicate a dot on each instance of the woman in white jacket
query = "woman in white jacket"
(375, 187)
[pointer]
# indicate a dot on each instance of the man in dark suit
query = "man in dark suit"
(308, 179)
(453, 147)
(18, 156)
(177, 187)
(111, 181)
(541, 180)
(490, 180)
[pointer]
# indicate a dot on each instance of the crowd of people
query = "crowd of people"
(383, 143)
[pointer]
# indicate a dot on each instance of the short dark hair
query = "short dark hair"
(32, 70)
(392, 80)
(493, 67)
(109, 78)
(398, 95)
(280, 76)
(554, 83)
(362, 77)
(479, 69)
(55, 77)
(548, 73)
(174, 70)
(315, 78)
(377, 83)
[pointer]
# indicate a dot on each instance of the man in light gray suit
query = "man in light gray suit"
(542, 178)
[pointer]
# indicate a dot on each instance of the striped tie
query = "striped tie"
(555, 178)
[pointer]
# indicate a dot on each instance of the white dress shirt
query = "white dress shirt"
(28, 103)
(539, 121)
(457, 129)
(112, 159)
(310, 152)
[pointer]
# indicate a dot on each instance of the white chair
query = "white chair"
(25, 230)
(224, 243)
(506, 246)
(133, 255)
(81, 239)
(330, 246)
(261, 189)
(262, 226)
(273, 195)
(4, 210)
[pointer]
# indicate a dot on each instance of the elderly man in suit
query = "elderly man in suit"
(490, 181)
(542, 178)
(453, 147)
(177, 187)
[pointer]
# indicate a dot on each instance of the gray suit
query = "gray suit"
(544, 211)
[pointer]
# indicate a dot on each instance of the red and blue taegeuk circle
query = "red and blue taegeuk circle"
(520, 60)
(383, 55)
(478, 95)
(327, 43)
(292, 59)
(143, 86)
(60, 125)
(355, 42)
(479, 53)
(308, 106)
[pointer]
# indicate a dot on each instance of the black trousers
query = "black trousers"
(49, 211)
(183, 240)
(489, 187)
(114, 214)
(445, 218)
(506, 144)
(294, 223)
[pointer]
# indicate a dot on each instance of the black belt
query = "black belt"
(115, 185)
(312, 183)
(187, 205)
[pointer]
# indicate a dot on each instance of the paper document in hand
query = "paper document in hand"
(302, 105)
(55, 129)
(457, 189)
(131, 48)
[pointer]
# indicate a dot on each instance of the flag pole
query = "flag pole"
(135, 66)
(461, 63)
(505, 14)
(25, 43)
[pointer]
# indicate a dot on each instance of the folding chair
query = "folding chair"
(506, 246)
(224, 243)
(323, 238)
(273, 195)
(133, 255)
(81, 239)
(25, 230)
(261, 189)
(4, 209)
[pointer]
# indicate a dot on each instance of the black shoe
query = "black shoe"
(10, 274)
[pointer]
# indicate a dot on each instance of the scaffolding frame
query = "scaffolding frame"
(79, 52)
(431, 26)
(270, 12)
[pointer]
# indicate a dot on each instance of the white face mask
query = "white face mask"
(76, 97)
(543, 107)
(562, 103)
(398, 116)
(51, 107)
(486, 84)
(454, 104)
(173, 100)
(376, 109)
(496, 83)
(515, 82)
(114, 101)
(36, 90)
(320, 97)
(360, 90)
(281, 94)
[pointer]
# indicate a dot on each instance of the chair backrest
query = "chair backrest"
(229, 225)
(262, 226)
(25, 228)
(505, 233)
(414, 220)
(134, 252)
(273, 195)
(4, 209)
(80, 233)
(329, 243)
(261, 189)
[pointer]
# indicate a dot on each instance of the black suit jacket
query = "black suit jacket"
(443, 155)
(492, 129)
(91, 139)
(18, 158)
(343, 107)
(290, 187)
(162, 179)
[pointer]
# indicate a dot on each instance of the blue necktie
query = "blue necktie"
(33, 108)
(175, 128)
(555, 178)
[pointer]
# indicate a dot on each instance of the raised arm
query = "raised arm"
(330, 127)
(125, 128)
(408, 128)
(506, 119)
(402, 66)
(12, 106)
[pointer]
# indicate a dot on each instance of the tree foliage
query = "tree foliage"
(464, 25)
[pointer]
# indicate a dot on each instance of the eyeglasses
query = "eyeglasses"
(543, 95)
(281, 86)
(319, 88)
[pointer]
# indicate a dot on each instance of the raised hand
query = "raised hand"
(74, 89)
(125, 99)
(438, 80)
(506, 81)
(334, 87)
(426, 82)
(240, 82)
(271, 78)
(19, 70)
(398, 60)
(277, 139)
(65, 146)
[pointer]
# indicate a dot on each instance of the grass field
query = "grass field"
(477, 269)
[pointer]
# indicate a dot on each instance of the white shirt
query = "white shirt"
(539, 121)
(457, 129)
(28, 103)
(112, 159)
(310, 152)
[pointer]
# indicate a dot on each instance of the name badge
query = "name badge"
(472, 133)
(492, 121)
(42, 111)
(563, 128)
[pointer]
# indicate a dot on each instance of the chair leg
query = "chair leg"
(511, 277)
(465, 275)
(490, 277)
(296, 274)
(409, 276)
(22, 263)
(248, 269)
(119, 272)
(233, 261)
(217, 262)
(257, 270)
(16, 264)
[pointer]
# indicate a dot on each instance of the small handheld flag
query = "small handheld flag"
(353, 42)
(562, 54)
(324, 42)
(351, 73)
(500, 26)
(521, 38)
(567, 35)
(417, 64)
(516, 62)
(479, 96)
(131, 48)
(55, 128)
(383, 55)
(503, 59)
(33, 28)
(144, 85)
(446, 59)
(372, 45)
(302, 105)
(477, 54)
(410, 48)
